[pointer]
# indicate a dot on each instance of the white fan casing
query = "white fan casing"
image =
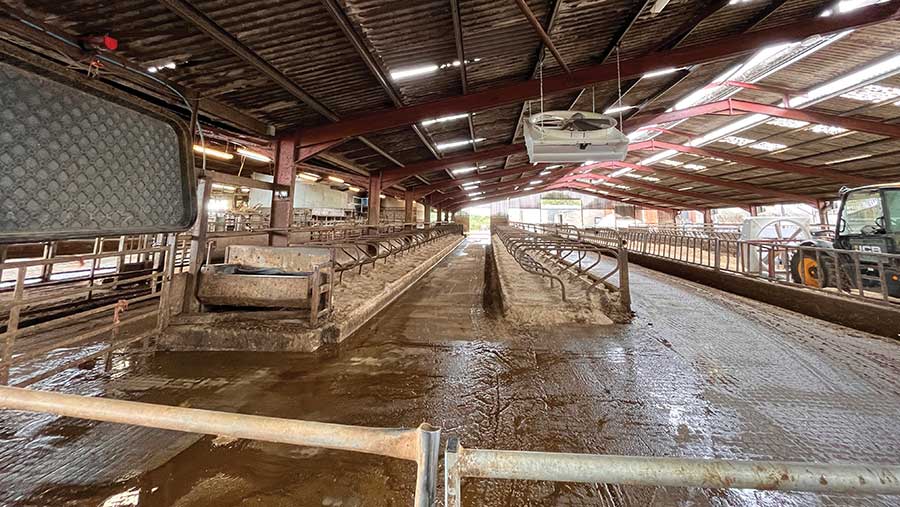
(547, 143)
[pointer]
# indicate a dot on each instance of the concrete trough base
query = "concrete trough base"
(526, 299)
(853, 313)
(289, 331)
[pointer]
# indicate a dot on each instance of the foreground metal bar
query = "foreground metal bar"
(672, 472)
(419, 445)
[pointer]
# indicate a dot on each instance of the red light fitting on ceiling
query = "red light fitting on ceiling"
(99, 42)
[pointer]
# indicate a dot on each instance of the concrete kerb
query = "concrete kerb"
(394, 290)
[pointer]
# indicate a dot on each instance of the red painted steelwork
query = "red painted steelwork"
(539, 30)
(819, 172)
(398, 174)
(572, 178)
(731, 106)
(285, 177)
(726, 47)
(425, 190)
(307, 152)
(719, 182)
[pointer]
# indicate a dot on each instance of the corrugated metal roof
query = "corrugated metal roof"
(302, 40)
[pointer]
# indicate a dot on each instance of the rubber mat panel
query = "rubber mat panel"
(80, 159)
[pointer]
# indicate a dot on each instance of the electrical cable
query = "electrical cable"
(131, 69)
(619, 85)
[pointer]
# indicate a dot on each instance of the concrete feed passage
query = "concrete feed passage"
(699, 373)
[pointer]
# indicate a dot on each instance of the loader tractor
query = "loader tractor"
(868, 223)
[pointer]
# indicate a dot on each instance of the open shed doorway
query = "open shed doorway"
(560, 208)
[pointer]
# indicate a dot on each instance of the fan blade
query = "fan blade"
(598, 124)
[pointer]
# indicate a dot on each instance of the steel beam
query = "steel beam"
(196, 18)
(409, 214)
(63, 42)
(624, 28)
(308, 152)
(284, 182)
(461, 56)
(483, 188)
(539, 30)
(202, 22)
(374, 210)
(354, 179)
(396, 175)
(568, 181)
(581, 191)
(726, 47)
(688, 26)
(675, 191)
(768, 11)
(422, 191)
(775, 165)
(581, 188)
(551, 22)
(574, 177)
(677, 37)
(718, 182)
(375, 68)
(458, 205)
(237, 181)
(732, 107)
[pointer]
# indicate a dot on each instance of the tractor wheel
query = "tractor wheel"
(805, 269)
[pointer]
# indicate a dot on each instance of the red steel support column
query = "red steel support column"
(282, 213)
(375, 198)
(754, 211)
(707, 216)
(408, 207)
(427, 213)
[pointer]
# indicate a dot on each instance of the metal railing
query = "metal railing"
(257, 219)
(420, 445)
(871, 276)
(559, 252)
(654, 471)
(580, 255)
(357, 245)
(36, 315)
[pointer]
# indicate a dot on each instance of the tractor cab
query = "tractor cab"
(869, 219)
(869, 223)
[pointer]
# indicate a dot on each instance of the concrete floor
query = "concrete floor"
(699, 373)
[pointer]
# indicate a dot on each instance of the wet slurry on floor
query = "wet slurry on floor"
(698, 373)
